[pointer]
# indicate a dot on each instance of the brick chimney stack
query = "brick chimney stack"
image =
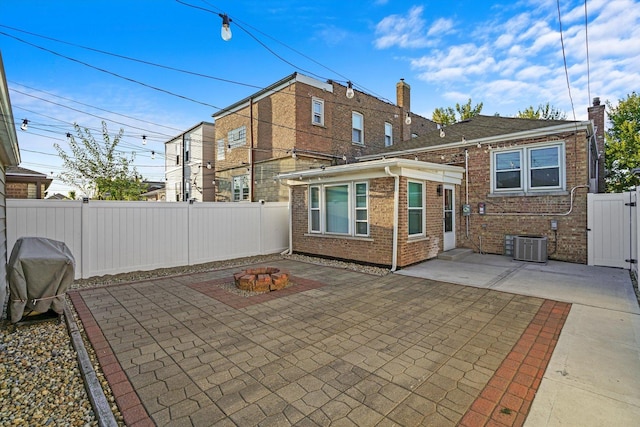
(596, 115)
(403, 95)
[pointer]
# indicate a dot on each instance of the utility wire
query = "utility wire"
(564, 57)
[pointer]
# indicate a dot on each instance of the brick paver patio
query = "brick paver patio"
(337, 348)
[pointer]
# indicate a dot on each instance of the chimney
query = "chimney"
(596, 115)
(403, 95)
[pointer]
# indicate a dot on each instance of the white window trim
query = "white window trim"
(351, 209)
(525, 169)
(361, 142)
(388, 126)
(315, 101)
(423, 208)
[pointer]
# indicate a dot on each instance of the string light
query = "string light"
(25, 124)
(144, 139)
(350, 92)
(442, 134)
(407, 119)
(225, 31)
(208, 165)
(153, 155)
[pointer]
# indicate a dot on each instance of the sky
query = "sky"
(159, 67)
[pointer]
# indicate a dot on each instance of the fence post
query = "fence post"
(85, 239)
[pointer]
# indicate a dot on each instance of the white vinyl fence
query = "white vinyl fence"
(109, 237)
(613, 232)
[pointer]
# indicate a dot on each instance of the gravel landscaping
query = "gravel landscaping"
(40, 380)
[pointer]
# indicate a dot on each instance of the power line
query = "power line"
(564, 57)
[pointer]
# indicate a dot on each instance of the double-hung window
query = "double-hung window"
(357, 128)
(341, 208)
(388, 134)
(529, 169)
(317, 111)
(416, 205)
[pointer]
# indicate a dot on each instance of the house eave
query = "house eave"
(269, 90)
(534, 133)
(376, 169)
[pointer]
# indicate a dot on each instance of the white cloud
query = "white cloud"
(408, 31)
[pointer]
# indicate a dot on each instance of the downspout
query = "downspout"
(290, 250)
(466, 190)
(251, 172)
(396, 207)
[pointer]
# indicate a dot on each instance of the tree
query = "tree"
(447, 116)
(622, 144)
(543, 112)
(98, 169)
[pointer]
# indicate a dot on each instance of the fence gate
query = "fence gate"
(612, 229)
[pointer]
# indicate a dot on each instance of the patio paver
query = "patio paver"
(338, 347)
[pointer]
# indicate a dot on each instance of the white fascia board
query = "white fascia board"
(376, 169)
(534, 133)
(271, 90)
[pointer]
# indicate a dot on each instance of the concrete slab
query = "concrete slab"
(593, 377)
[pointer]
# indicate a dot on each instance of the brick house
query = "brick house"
(300, 123)
(189, 165)
(474, 184)
(25, 183)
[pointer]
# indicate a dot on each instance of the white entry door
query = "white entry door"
(449, 215)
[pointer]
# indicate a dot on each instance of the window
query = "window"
(220, 146)
(237, 137)
(388, 135)
(187, 145)
(544, 167)
(357, 125)
(240, 188)
(339, 209)
(528, 169)
(317, 111)
(415, 202)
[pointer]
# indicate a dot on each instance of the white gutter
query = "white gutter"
(396, 206)
(487, 140)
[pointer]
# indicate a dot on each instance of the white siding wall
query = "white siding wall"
(107, 237)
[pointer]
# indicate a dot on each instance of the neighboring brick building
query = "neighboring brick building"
(300, 123)
(24, 183)
(520, 177)
(189, 165)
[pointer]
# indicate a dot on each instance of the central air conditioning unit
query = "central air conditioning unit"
(530, 248)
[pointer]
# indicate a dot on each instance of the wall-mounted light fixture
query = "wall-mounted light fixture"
(439, 190)
(225, 31)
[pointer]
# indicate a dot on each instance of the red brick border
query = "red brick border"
(211, 289)
(132, 410)
(507, 398)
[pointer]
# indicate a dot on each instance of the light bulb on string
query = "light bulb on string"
(144, 139)
(225, 31)
(25, 124)
(407, 119)
(350, 92)
(153, 155)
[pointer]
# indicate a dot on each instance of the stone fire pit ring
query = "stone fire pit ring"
(261, 279)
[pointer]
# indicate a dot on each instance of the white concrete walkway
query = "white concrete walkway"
(593, 378)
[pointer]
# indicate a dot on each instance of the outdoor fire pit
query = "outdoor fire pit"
(263, 279)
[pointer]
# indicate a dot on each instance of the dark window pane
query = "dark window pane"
(508, 179)
(545, 177)
(448, 221)
(415, 221)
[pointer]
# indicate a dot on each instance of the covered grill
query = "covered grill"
(39, 272)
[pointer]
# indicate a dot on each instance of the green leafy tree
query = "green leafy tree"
(97, 168)
(622, 144)
(447, 115)
(72, 194)
(543, 112)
